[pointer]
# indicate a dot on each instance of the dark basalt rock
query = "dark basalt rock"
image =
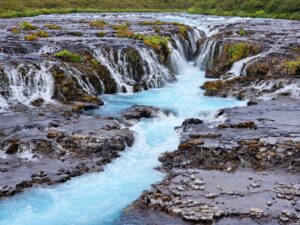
(54, 146)
(228, 176)
(138, 112)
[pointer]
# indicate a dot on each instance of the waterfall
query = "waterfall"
(239, 68)
(28, 82)
(183, 50)
(106, 58)
(194, 36)
(82, 80)
(3, 105)
(176, 59)
(121, 70)
(156, 74)
(206, 54)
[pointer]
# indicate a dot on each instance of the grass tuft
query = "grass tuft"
(68, 56)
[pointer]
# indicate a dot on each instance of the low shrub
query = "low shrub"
(52, 26)
(98, 23)
(27, 26)
(31, 37)
(68, 56)
(42, 34)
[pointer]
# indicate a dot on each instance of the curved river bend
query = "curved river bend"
(99, 198)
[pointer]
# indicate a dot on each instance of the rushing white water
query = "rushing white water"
(117, 63)
(3, 104)
(29, 82)
(206, 54)
(239, 68)
(98, 199)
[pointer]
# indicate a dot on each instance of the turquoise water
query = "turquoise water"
(99, 198)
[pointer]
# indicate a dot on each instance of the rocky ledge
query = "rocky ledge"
(50, 146)
(243, 170)
(138, 112)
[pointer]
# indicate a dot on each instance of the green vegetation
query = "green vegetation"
(31, 37)
(42, 34)
(15, 30)
(68, 56)
(151, 23)
(27, 26)
(123, 31)
(156, 42)
(98, 23)
(101, 34)
(287, 9)
(242, 32)
(240, 50)
(293, 67)
(51, 26)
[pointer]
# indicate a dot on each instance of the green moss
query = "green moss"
(31, 37)
(292, 67)
(68, 56)
(123, 31)
(27, 26)
(242, 32)
(238, 51)
(15, 30)
(157, 42)
(76, 33)
(101, 34)
(151, 23)
(98, 23)
(42, 33)
(120, 27)
(183, 30)
(52, 26)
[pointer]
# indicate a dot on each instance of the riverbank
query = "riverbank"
(265, 9)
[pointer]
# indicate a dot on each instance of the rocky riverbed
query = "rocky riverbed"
(245, 169)
(50, 146)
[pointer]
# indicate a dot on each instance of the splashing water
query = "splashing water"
(28, 82)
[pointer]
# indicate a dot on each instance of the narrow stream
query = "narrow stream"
(98, 199)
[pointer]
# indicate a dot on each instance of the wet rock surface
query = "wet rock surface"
(137, 112)
(253, 59)
(232, 172)
(50, 146)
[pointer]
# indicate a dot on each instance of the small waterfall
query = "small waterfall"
(239, 68)
(180, 46)
(183, 50)
(106, 58)
(156, 74)
(206, 54)
(3, 105)
(28, 82)
(194, 36)
(82, 80)
(176, 59)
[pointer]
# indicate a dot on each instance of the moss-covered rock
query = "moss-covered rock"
(68, 56)
(228, 53)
